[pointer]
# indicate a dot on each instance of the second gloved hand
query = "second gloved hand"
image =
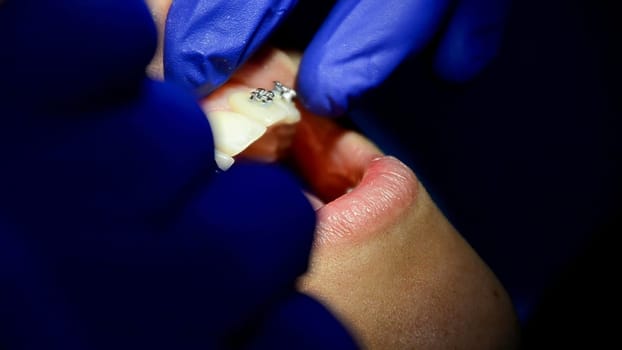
(363, 41)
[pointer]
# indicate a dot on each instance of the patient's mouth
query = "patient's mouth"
(357, 189)
(253, 115)
(353, 186)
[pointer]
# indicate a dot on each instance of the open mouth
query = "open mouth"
(353, 186)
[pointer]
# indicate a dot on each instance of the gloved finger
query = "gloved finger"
(123, 162)
(472, 38)
(263, 227)
(221, 254)
(55, 54)
(301, 322)
(359, 45)
(206, 41)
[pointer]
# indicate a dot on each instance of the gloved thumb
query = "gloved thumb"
(206, 41)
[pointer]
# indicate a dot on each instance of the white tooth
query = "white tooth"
(268, 113)
(233, 132)
(223, 161)
(293, 114)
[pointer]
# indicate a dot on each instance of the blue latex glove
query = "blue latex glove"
(359, 45)
(362, 42)
(207, 40)
(115, 230)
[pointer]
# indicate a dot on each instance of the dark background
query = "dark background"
(524, 160)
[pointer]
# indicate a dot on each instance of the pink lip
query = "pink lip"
(386, 189)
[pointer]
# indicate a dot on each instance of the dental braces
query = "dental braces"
(266, 96)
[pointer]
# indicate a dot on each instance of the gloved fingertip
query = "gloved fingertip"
(205, 42)
(324, 105)
(260, 212)
(189, 65)
(320, 96)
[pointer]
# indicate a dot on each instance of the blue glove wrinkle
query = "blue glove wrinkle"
(301, 322)
(55, 55)
(359, 45)
(206, 41)
(472, 39)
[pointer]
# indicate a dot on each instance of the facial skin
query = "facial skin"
(386, 261)
(159, 10)
(392, 267)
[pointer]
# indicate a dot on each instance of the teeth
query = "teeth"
(268, 113)
(234, 132)
(244, 121)
(293, 114)
(223, 161)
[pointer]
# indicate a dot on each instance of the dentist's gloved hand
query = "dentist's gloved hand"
(359, 45)
(115, 230)
(363, 41)
(205, 41)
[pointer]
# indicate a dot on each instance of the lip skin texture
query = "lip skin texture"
(387, 188)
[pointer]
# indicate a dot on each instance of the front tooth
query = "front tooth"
(233, 132)
(293, 114)
(223, 161)
(268, 113)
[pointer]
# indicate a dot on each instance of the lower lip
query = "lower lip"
(388, 187)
